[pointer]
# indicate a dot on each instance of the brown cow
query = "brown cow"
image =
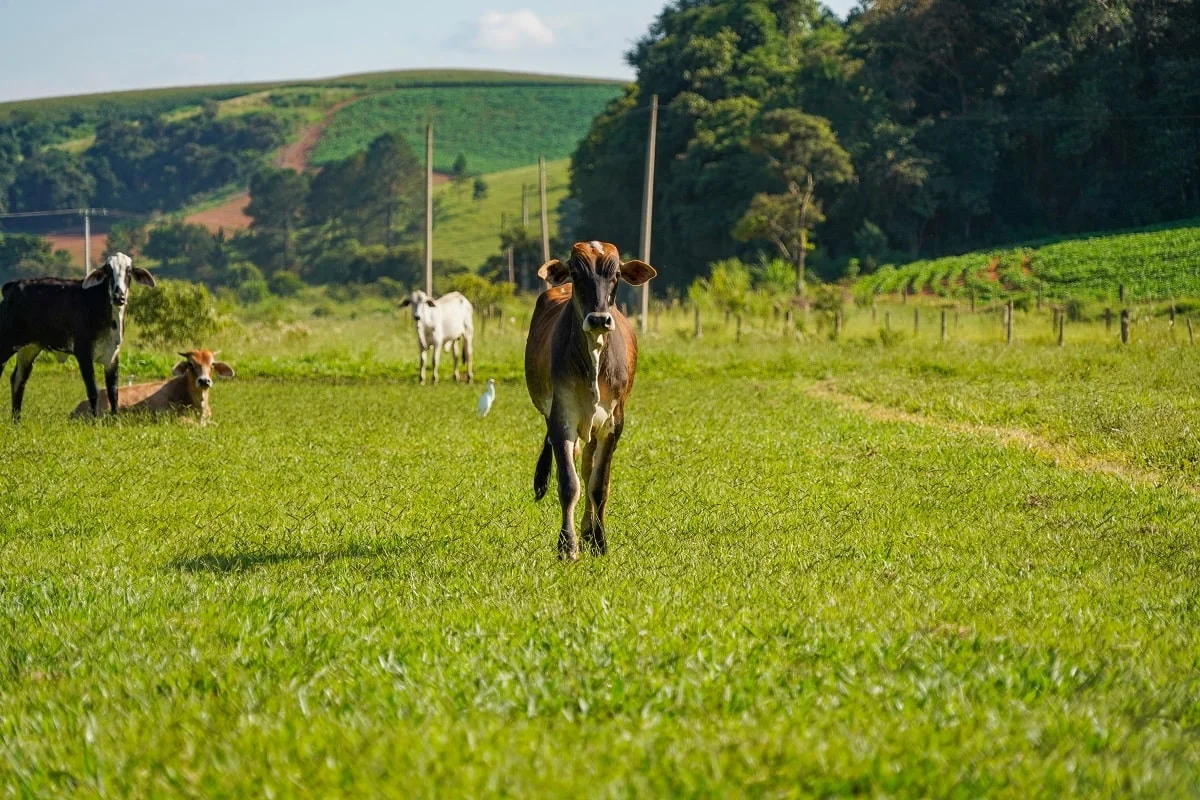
(580, 358)
(188, 390)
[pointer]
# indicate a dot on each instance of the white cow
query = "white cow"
(440, 323)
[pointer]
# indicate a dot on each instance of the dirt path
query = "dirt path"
(230, 214)
(1059, 455)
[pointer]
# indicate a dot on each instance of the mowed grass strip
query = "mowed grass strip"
(346, 588)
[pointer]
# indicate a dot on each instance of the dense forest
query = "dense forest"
(914, 127)
(146, 164)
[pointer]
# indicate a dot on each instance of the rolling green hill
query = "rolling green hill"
(1152, 263)
(468, 230)
(495, 127)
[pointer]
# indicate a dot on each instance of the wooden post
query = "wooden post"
(1062, 324)
(1191, 336)
(837, 325)
(429, 209)
(1124, 326)
(916, 321)
(1108, 320)
(1054, 318)
(1121, 293)
(787, 322)
(698, 331)
(648, 201)
(739, 328)
(887, 320)
(545, 214)
(943, 326)
(1008, 323)
(872, 313)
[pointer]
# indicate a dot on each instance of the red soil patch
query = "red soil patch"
(992, 273)
(72, 242)
(1027, 265)
(296, 155)
(229, 215)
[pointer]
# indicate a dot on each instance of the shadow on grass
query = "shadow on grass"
(241, 562)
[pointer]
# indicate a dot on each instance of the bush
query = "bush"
(253, 291)
(480, 291)
(390, 288)
(285, 284)
(174, 312)
(241, 272)
(1074, 308)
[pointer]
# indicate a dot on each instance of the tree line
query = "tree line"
(913, 127)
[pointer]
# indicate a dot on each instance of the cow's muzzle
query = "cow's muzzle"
(599, 320)
(204, 383)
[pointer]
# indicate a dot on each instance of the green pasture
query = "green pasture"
(497, 127)
(467, 230)
(832, 572)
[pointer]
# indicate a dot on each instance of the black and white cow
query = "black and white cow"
(82, 317)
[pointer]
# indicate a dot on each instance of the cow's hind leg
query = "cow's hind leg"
(454, 352)
(563, 442)
(598, 471)
(469, 356)
(437, 361)
(20, 375)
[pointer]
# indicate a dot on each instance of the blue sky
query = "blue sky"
(55, 47)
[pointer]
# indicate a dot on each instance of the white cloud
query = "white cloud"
(504, 31)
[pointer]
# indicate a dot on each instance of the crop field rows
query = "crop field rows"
(827, 574)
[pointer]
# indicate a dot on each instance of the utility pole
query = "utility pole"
(524, 206)
(429, 209)
(87, 241)
(648, 204)
(544, 214)
(508, 251)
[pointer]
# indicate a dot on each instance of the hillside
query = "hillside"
(495, 127)
(468, 230)
(1151, 263)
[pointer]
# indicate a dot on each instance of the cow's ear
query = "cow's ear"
(430, 302)
(94, 278)
(143, 276)
(554, 272)
(181, 369)
(635, 272)
(223, 369)
(407, 302)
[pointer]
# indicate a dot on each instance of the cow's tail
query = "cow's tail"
(541, 476)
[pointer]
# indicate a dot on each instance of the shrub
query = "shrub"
(174, 312)
(241, 272)
(285, 284)
(253, 291)
(390, 288)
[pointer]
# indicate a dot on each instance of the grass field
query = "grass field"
(468, 230)
(882, 566)
(1154, 263)
(496, 127)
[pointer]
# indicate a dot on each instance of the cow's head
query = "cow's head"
(419, 302)
(118, 270)
(595, 268)
(200, 366)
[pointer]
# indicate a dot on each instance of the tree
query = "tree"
(126, 237)
(276, 209)
(392, 182)
(803, 153)
(481, 189)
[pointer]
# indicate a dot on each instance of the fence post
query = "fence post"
(1062, 324)
(837, 325)
(1191, 336)
(943, 326)
(1124, 326)
(916, 321)
(697, 332)
(787, 322)
(1008, 323)
(1108, 320)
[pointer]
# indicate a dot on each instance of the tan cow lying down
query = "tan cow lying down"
(187, 391)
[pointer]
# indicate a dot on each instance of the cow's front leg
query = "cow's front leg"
(421, 360)
(437, 361)
(598, 472)
(562, 440)
(87, 371)
(111, 374)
